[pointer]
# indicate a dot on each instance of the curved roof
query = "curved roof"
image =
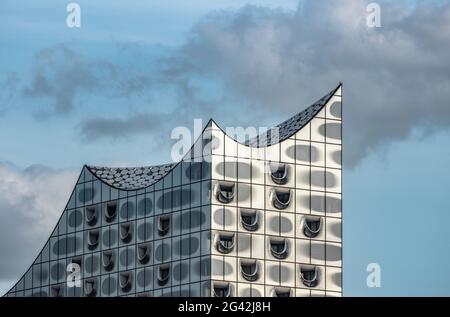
(131, 178)
(134, 178)
(291, 126)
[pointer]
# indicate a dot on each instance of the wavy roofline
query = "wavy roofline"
(175, 164)
(89, 168)
(330, 95)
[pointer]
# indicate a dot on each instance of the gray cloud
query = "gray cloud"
(31, 202)
(118, 128)
(189, 103)
(270, 64)
(396, 77)
(60, 76)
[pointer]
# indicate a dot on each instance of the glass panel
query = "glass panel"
(176, 248)
(167, 201)
(196, 219)
(185, 173)
(88, 175)
(185, 221)
(206, 242)
(176, 176)
(62, 226)
(195, 290)
(29, 279)
(195, 269)
(185, 197)
(206, 192)
(195, 244)
(45, 253)
(114, 193)
(105, 192)
(97, 191)
(45, 273)
(195, 194)
(168, 180)
(71, 203)
(36, 275)
(159, 202)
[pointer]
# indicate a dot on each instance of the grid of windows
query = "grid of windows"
(303, 189)
(242, 221)
(115, 237)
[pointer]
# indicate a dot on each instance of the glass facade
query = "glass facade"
(235, 220)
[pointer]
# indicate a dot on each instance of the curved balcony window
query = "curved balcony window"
(163, 274)
(282, 292)
(224, 242)
(91, 215)
(312, 226)
(279, 173)
(221, 289)
(310, 275)
(143, 253)
(279, 247)
(249, 219)
(92, 239)
(224, 192)
(125, 281)
(56, 291)
(250, 270)
(163, 225)
(107, 260)
(110, 211)
(281, 198)
(125, 232)
(90, 287)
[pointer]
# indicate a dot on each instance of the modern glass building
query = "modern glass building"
(257, 218)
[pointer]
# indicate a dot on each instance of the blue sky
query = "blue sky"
(137, 64)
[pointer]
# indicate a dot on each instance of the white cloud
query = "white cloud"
(31, 202)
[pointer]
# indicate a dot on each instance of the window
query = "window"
(90, 215)
(224, 192)
(250, 270)
(282, 292)
(281, 198)
(279, 173)
(143, 253)
(145, 207)
(56, 291)
(224, 242)
(312, 226)
(221, 289)
(111, 211)
(125, 281)
(163, 225)
(163, 274)
(309, 275)
(279, 248)
(125, 232)
(107, 260)
(92, 239)
(90, 287)
(249, 219)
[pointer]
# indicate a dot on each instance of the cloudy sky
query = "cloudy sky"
(110, 92)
